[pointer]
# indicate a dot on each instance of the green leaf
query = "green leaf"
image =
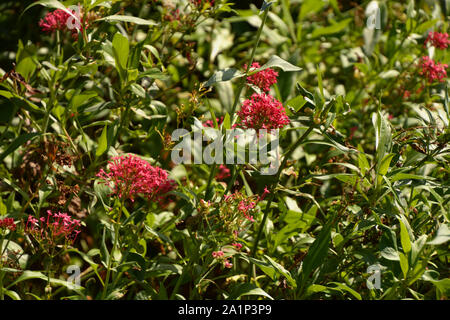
(334, 28)
(102, 142)
(344, 287)
(138, 90)
(282, 270)
(3, 208)
(247, 289)
(404, 238)
(442, 235)
(12, 294)
(317, 252)
(383, 137)
(276, 61)
(389, 74)
(224, 75)
(226, 122)
(121, 49)
(319, 80)
(407, 176)
(390, 253)
(404, 264)
(17, 143)
(363, 163)
(121, 18)
(49, 3)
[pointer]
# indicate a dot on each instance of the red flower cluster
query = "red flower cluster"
(262, 111)
(219, 255)
(130, 175)
(60, 20)
(433, 70)
(200, 2)
(210, 123)
(438, 40)
(223, 173)
(55, 226)
(263, 79)
(56, 20)
(7, 223)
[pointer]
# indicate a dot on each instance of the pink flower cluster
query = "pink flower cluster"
(219, 255)
(433, 70)
(200, 2)
(438, 40)
(130, 175)
(53, 227)
(210, 123)
(245, 205)
(58, 20)
(263, 79)
(223, 173)
(262, 111)
(7, 223)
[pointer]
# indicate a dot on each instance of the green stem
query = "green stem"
(252, 57)
(272, 188)
(111, 255)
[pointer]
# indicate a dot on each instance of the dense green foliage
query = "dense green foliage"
(362, 190)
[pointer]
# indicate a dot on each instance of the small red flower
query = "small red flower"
(53, 227)
(433, 70)
(130, 175)
(7, 223)
(263, 79)
(438, 40)
(224, 173)
(262, 111)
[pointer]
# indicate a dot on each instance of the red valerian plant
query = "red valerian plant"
(200, 2)
(59, 20)
(433, 70)
(438, 40)
(56, 20)
(263, 79)
(130, 175)
(223, 173)
(56, 226)
(7, 223)
(262, 111)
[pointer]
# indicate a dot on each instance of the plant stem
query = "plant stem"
(116, 241)
(272, 189)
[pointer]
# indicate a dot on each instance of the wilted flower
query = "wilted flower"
(130, 175)
(263, 79)
(438, 40)
(262, 111)
(433, 70)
